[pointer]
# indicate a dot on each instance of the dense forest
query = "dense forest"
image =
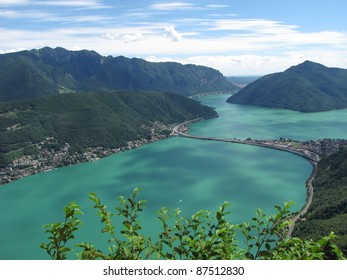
(89, 120)
(328, 211)
(47, 71)
(308, 87)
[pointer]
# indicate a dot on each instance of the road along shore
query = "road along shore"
(313, 158)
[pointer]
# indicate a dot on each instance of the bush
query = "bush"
(201, 237)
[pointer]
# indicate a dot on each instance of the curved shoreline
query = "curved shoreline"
(313, 158)
(309, 186)
(47, 160)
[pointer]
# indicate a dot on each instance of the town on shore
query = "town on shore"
(48, 159)
(312, 149)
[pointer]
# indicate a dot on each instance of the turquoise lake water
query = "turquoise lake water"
(260, 123)
(177, 172)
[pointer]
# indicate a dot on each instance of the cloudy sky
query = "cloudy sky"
(237, 37)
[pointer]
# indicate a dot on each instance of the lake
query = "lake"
(177, 173)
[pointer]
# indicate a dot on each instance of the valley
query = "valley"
(210, 171)
(86, 132)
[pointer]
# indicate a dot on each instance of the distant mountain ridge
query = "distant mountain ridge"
(307, 87)
(242, 81)
(47, 71)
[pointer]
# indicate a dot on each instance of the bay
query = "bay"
(177, 173)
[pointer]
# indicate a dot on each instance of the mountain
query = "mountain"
(307, 87)
(328, 211)
(47, 71)
(33, 131)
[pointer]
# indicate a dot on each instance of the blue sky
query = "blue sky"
(237, 37)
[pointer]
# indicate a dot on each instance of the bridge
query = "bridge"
(313, 158)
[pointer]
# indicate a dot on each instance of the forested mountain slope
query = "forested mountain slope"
(308, 87)
(47, 71)
(328, 211)
(107, 120)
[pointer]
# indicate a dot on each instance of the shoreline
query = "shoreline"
(181, 130)
(310, 190)
(50, 160)
(313, 158)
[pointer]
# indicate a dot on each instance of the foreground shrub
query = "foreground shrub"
(201, 237)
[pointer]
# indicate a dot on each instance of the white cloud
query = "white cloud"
(238, 65)
(251, 25)
(192, 44)
(9, 14)
(172, 34)
(125, 37)
(37, 16)
(172, 6)
(185, 6)
(230, 56)
(249, 46)
(94, 4)
(87, 18)
(29, 14)
(216, 6)
(68, 3)
(84, 3)
(246, 64)
(13, 2)
(11, 50)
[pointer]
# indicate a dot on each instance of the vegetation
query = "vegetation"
(308, 87)
(197, 238)
(30, 74)
(90, 120)
(328, 211)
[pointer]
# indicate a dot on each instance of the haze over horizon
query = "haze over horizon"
(240, 37)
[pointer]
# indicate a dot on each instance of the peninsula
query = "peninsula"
(310, 150)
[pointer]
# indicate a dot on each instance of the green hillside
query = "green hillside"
(29, 74)
(106, 120)
(308, 87)
(328, 211)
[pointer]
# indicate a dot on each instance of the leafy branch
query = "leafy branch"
(201, 237)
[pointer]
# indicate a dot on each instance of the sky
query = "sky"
(236, 37)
